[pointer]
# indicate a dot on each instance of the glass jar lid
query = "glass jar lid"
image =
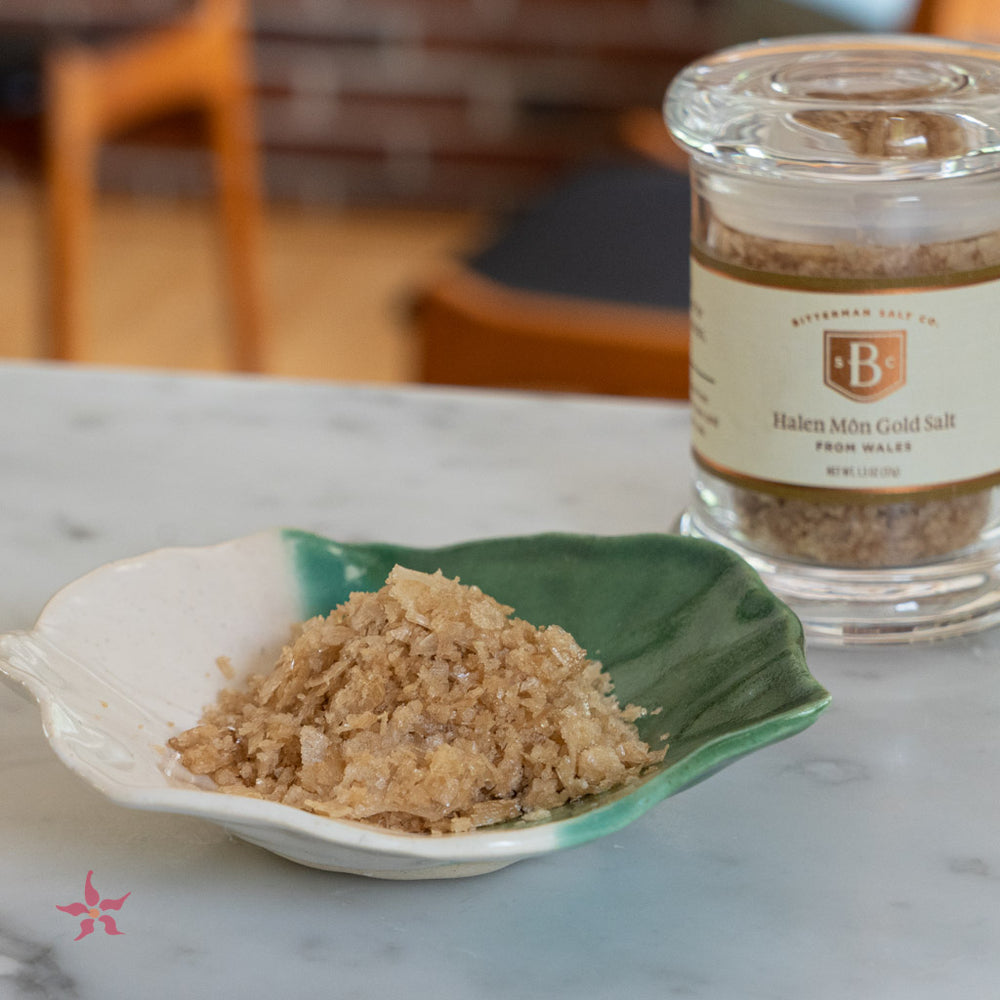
(851, 106)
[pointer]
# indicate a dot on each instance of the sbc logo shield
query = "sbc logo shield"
(864, 366)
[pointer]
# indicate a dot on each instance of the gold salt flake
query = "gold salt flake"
(430, 710)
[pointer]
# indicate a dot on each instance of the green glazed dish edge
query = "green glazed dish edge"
(684, 627)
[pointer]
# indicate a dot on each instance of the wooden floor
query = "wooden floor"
(340, 282)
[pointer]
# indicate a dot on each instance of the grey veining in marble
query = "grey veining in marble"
(858, 860)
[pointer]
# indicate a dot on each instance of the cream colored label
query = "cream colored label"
(845, 389)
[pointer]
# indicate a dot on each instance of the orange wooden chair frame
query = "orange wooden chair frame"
(201, 62)
(974, 20)
(474, 331)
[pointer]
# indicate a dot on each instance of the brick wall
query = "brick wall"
(430, 102)
(460, 101)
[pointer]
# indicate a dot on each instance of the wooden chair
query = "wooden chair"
(972, 20)
(91, 93)
(644, 131)
(586, 290)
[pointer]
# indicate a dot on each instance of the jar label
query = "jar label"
(801, 384)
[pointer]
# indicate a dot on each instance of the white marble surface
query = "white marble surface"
(860, 859)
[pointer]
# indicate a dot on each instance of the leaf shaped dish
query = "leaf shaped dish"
(128, 655)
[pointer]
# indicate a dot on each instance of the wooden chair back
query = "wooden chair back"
(201, 62)
(477, 332)
(584, 291)
(973, 20)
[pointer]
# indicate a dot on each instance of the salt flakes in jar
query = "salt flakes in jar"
(845, 294)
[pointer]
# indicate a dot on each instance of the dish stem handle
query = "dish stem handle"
(25, 666)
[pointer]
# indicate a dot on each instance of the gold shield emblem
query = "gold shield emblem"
(864, 366)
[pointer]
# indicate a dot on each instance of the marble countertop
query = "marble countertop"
(860, 859)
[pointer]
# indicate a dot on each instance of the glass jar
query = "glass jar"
(845, 325)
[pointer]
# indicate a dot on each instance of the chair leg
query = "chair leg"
(71, 162)
(201, 63)
(234, 150)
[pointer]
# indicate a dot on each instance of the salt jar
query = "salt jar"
(845, 325)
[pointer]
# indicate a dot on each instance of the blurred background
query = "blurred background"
(390, 139)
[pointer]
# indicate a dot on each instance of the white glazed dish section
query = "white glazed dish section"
(127, 656)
